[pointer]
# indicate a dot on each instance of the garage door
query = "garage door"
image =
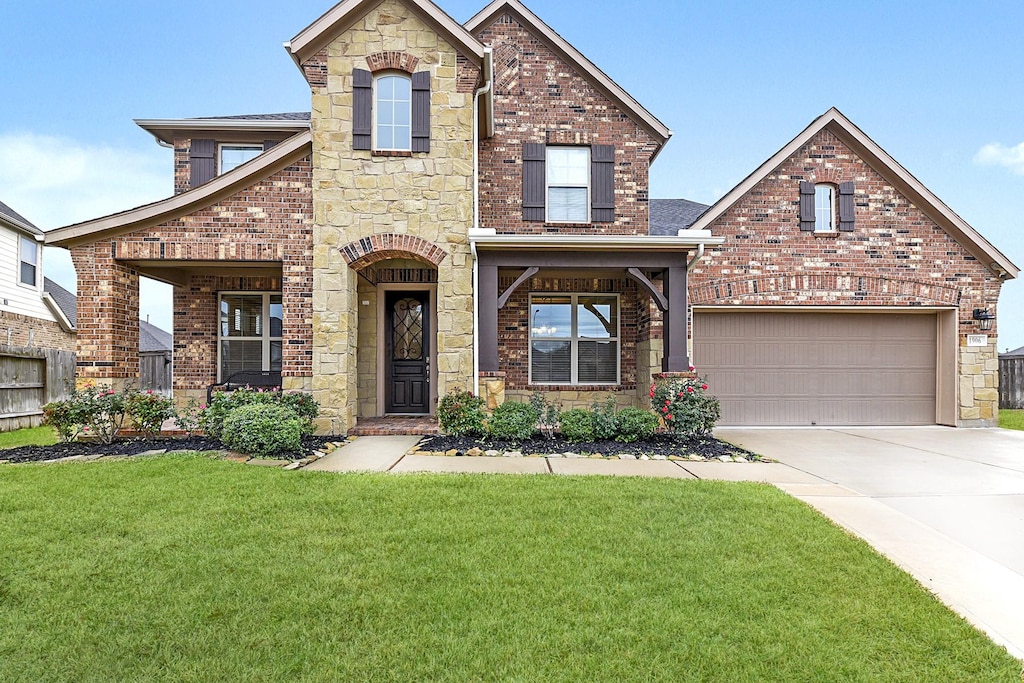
(818, 368)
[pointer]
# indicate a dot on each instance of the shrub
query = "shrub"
(212, 417)
(263, 429)
(187, 418)
(461, 414)
(547, 422)
(634, 424)
(66, 417)
(577, 425)
(148, 410)
(513, 420)
(303, 405)
(603, 419)
(685, 406)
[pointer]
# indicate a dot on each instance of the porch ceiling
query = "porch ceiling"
(179, 273)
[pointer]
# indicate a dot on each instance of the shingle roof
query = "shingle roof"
(67, 301)
(668, 216)
(286, 116)
(13, 216)
(152, 338)
(1015, 352)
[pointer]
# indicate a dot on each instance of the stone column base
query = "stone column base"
(492, 387)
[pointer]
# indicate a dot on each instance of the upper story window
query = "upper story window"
(824, 208)
(393, 112)
(233, 156)
(568, 184)
(28, 272)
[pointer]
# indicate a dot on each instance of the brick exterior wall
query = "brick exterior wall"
(24, 330)
(182, 165)
(896, 255)
(541, 99)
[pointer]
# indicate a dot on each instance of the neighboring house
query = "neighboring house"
(466, 207)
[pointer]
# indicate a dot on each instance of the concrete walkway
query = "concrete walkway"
(947, 505)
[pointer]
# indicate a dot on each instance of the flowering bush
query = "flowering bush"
(67, 417)
(460, 413)
(187, 418)
(148, 410)
(684, 405)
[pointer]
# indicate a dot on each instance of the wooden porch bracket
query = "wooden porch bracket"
(527, 274)
(637, 275)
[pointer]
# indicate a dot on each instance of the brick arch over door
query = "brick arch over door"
(823, 289)
(369, 250)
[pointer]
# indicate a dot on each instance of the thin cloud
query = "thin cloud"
(997, 154)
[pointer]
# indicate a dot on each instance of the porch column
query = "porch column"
(487, 307)
(675, 358)
(108, 317)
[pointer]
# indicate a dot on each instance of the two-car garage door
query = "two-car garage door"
(777, 368)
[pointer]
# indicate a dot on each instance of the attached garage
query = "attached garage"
(821, 368)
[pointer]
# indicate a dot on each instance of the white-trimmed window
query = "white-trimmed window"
(824, 208)
(574, 339)
(392, 113)
(249, 336)
(568, 184)
(233, 156)
(28, 262)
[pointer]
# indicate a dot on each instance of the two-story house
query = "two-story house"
(466, 206)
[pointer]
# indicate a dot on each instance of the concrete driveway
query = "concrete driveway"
(945, 504)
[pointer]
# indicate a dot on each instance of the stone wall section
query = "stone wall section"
(896, 256)
(360, 194)
(541, 99)
(25, 330)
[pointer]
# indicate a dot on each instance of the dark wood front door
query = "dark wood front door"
(407, 352)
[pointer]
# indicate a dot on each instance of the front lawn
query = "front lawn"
(29, 436)
(1011, 419)
(182, 568)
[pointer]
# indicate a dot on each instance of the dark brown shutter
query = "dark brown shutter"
(533, 181)
(846, 207)
(267, 144)
(807, 206)
(421, 111)
(362, 109)
(602, 181)
(202, 161)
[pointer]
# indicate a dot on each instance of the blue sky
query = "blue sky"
(936, 84)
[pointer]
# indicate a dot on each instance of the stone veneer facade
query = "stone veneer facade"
(360, 194)
(896, 256)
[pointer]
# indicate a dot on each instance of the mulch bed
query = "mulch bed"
(659, 444)
(134, 446)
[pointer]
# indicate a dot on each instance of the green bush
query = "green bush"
(603, 419)
(303, 405)
(148, 410)
(263, 429)
(547, 420)
(187, 419)
(213, 416)
(634, 424)
(577, 425)
(68, 418)
(513, 420)
(460, 413)
(685, 406)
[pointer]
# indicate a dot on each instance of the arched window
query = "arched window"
(393, 112)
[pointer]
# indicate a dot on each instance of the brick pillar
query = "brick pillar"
(195, 337)
(108, 317)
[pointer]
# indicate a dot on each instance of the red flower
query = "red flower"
(692, 368)
(689, 390)
(680, 394)
(669, 416)
(664, 410)
(704, 387)
(667, 401)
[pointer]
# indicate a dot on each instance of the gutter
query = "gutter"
(488, 69)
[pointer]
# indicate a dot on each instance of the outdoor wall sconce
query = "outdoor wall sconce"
(984, 318)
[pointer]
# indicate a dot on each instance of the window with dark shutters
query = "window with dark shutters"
(362, 109)
(846, 207)
(602, 180)
(421, 111)
(202, 161)
(534, 186)
(806, 206)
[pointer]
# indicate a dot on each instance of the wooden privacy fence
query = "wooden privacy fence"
(155, 372)
(1011, 382)
(29, 379)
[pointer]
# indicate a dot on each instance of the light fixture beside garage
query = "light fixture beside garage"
(984, 318)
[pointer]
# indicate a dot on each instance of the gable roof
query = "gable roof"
(1012, 354)
(152, 338)
(669, 216)
(888, 168)
(164, 130)
(314, 37)
(13, 219)
(266, 164)
(575, 58)
(65, 301)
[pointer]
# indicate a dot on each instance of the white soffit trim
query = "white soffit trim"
(487, 238)
(164, 129)
(885, 165)
(51, 303)
(274, 159)
(574, 57)
(314, 37)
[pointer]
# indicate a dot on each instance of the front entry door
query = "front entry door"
(407, 352)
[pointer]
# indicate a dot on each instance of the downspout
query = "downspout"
(483, 90)
(689, 306)
(697, 257)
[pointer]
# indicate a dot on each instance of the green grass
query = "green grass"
(181, 568)
(1011, 419)
(30, 436)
